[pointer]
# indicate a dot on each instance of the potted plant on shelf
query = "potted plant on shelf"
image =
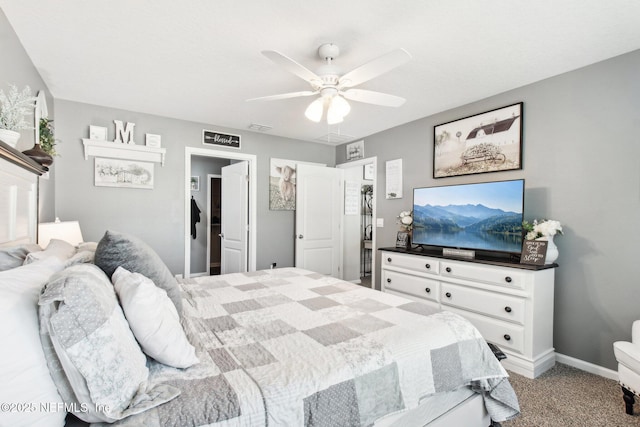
(14, 107)
(44, 150)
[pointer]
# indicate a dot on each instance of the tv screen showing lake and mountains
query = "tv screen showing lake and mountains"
(485, 216)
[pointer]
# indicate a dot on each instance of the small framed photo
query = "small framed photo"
(368, 172)
(153, 141)
(355, 150)
(97, 133)
(533, 252)
(195, 183)
(402, 240)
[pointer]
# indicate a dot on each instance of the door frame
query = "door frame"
(374, 246)
(253, 197)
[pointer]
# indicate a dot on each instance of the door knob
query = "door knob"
(221, 235)
(300, 236)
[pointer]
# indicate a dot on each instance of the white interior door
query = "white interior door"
(234, 215)
(318, 219)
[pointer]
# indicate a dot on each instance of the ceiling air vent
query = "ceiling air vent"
(259, 128)
(334, 138)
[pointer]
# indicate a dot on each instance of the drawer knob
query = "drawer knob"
(448, 294)
(448, 269)
(427, 290)
(507, 309)
(427, 266)
(507, 279)
(507, 337)
(388, 280)
(389, 259)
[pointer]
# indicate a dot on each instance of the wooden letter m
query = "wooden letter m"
(124, 134)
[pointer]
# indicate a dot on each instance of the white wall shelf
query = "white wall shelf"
(117, 150)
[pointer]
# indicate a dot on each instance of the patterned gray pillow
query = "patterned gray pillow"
(93, 357)
(117, 249)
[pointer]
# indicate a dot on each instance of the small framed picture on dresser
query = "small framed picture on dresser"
(534, 252)
(402, 240)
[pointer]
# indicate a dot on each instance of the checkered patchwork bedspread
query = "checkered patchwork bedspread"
(289, 347)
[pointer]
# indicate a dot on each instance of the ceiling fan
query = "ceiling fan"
(334, 88)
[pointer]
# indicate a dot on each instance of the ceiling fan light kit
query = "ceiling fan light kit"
(333, 88)
(314, 110)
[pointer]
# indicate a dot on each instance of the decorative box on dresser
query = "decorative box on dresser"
(511, 304)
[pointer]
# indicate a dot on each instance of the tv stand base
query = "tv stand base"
(460, 253)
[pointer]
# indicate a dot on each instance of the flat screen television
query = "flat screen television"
(483, 217)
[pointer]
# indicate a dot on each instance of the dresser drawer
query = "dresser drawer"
(504, 335)
(412, 285)
(493, 304)
(431, 303)
(480, 273)
(411, 262)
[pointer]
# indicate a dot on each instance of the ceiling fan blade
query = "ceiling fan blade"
(284, 96)
(292, 66)
(374, 68)
(371, 97)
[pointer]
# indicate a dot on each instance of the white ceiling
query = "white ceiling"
(199, 60)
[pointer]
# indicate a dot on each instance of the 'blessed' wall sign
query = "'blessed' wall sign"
(210, 137)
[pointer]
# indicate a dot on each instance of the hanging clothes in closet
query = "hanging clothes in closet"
(195, 216)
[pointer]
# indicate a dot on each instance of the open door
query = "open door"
(234, 214)
(318, 219)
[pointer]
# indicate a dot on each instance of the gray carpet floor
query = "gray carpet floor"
(566, 397)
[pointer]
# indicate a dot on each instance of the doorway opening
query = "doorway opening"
(359, 230)
(214, 231)
(192, 155)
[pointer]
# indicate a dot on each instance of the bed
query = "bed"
(281, 347)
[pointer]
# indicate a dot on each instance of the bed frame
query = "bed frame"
(18, 196)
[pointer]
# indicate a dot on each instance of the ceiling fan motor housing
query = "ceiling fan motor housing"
(328, 51)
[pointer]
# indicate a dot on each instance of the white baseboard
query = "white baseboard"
(204, 273)
(588, 367)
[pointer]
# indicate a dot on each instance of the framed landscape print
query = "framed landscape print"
(486, 142)
(123, 173)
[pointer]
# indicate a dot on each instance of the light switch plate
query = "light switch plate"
(379, 222)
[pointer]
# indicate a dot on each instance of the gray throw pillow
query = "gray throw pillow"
(117, 249)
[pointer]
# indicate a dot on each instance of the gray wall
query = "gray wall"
(18, 69)
(157, 216)
(581, 166)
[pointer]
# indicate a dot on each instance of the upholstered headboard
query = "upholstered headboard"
(18, 197)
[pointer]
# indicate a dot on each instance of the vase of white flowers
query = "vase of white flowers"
(544, 230)
(14, 107)
(405, 220)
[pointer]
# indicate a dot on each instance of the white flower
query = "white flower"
(548, 228)
(532, 235)
(542, 229)
(406, 220)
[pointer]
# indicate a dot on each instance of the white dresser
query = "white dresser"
(510, 304)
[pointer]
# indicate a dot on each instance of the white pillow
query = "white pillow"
(154, 320)
(13, 256)
(58, 248)
(24, 372)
